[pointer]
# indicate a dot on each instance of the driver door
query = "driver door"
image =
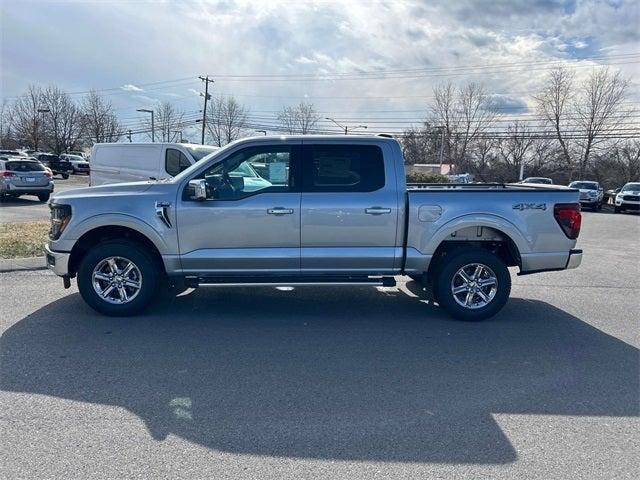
(250, 222)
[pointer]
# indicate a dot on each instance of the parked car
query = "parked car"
(591, 194)
(540, 180)
(11, 153)
(58, 166)
(131, 162)
(628, 198)
(24, 176)
(78, 164)
(335, 211)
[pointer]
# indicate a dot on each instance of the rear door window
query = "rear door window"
(343, 168)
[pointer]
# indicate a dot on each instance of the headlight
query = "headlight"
(60, 216)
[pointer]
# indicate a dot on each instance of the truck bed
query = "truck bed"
(521, 215)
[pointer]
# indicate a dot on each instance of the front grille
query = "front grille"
(631, 198)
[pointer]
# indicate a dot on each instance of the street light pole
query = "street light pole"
(153, 129)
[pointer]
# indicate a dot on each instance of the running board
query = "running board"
(195, 282)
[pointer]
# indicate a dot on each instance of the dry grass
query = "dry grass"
(23, 239)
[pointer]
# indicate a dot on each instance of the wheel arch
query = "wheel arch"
(99, 234)
(491, 233)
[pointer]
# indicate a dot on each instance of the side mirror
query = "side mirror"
(198, 189)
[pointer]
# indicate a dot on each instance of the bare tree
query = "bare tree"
(5, 125)
(63, 121)
(585, 113)
(167, 120)
(288, 119)
(421, 145)
(515, 147)
(26, 121)
(299, 119)
(100, 121)
(483, 156)
(628, 157)
(598, 110)
(555, 105)
(226, 120)
(464, 114)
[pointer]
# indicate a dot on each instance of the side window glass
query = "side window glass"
(175, 162)
(250, 171)
(343, 168)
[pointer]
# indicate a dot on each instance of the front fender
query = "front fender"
(74, 232)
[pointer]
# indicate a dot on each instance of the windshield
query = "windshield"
(631, 187)
(21, 166)
(74, 158)
(198, 153)
(584, 185)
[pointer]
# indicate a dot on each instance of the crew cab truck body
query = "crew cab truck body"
(327, 210)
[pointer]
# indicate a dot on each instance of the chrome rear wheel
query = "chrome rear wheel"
(474, 286)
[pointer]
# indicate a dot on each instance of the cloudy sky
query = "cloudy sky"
(360, 61)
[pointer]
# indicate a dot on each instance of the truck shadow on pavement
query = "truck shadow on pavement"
(346, 374)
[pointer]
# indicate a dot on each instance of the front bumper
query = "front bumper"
(627, 204)
(57, 262)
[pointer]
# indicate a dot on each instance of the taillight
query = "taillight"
(48, 173)
(569, 218)
(7, 174)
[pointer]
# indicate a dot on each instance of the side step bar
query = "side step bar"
(307, 281)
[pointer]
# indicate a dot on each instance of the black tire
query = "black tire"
(148, 268)
(617, 209)
(44, 197)
(456, 261)
(65, 176)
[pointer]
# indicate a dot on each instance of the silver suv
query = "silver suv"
(25, 176)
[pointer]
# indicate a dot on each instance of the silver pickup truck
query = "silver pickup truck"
(312, 210)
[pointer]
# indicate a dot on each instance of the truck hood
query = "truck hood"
(104, 190)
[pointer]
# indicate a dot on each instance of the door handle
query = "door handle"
(280, 211)
(376, 210)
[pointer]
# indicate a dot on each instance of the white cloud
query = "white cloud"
(131, 88)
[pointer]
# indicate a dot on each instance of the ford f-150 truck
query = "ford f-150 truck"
(308, 210)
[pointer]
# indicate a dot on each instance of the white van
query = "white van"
(133, 162)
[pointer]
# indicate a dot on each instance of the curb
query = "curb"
(22, 264)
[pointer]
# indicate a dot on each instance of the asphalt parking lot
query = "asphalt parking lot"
(328, 382)
(28, 208)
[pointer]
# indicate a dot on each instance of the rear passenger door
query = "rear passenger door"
(349, 209)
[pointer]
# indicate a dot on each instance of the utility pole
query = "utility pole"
(129, 135)
(207, 97)
(346, 127)
(441, 147)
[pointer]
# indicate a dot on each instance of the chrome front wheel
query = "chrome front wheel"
(116, 280)
(474, 286)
